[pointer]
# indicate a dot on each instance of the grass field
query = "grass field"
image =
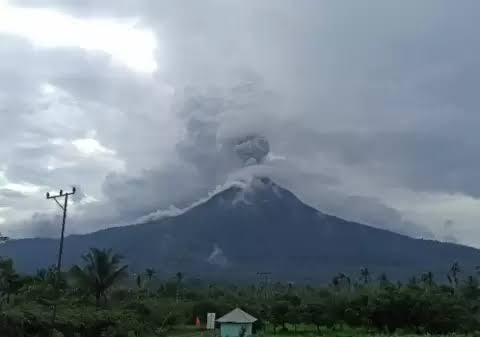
(308, 332)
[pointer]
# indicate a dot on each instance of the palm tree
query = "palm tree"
(101, 271)
(452, 274)
(365, 275)
(477, 268)
(427, 279)
(342, 281)
(150, 272)
(9, 279)
(290, 287)
(179, 277)
(49, 276)
(383, 279)
(139, 281)
(210, 290)
(41, 274)
(412, 281)
(470, 289)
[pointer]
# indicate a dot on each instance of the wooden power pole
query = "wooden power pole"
(63, 206)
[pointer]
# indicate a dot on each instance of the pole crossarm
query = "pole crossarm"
(62, 194)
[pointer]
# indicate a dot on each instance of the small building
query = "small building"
(235, 322)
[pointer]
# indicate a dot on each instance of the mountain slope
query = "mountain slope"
(242, 230)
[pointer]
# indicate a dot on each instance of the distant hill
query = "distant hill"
(256, 227)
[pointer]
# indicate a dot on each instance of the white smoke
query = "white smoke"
(217, 257)
(173, 211)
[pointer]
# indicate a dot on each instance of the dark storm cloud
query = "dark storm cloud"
(419, 159)
(373, 90)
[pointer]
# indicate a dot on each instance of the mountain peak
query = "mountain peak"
(246, 191)
(254, 191)
(249, 225)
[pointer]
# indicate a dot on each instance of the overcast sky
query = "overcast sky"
(365, 109)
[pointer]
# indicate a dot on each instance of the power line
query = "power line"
(65, 196)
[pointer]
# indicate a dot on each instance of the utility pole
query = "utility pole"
(65, 196)
(265, 275)
(179, 276)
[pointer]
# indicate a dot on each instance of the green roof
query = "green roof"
(237, 316)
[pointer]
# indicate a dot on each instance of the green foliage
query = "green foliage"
(279, 313)
(101, 271)
(9, 279)
(150, 272)
(136, 308)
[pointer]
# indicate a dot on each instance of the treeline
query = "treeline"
(99, 298)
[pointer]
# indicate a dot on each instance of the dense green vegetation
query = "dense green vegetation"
(99, 298)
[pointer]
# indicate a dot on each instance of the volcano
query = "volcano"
(253, 227)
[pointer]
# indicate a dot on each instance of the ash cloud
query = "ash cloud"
(359, 117)
(203, 159)
(210, 154)
(251, 149)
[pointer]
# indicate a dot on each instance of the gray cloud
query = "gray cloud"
(348, 104)
(42, 225)
(252, 149)
(373, 212)
(8, 193)
(425, 160)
